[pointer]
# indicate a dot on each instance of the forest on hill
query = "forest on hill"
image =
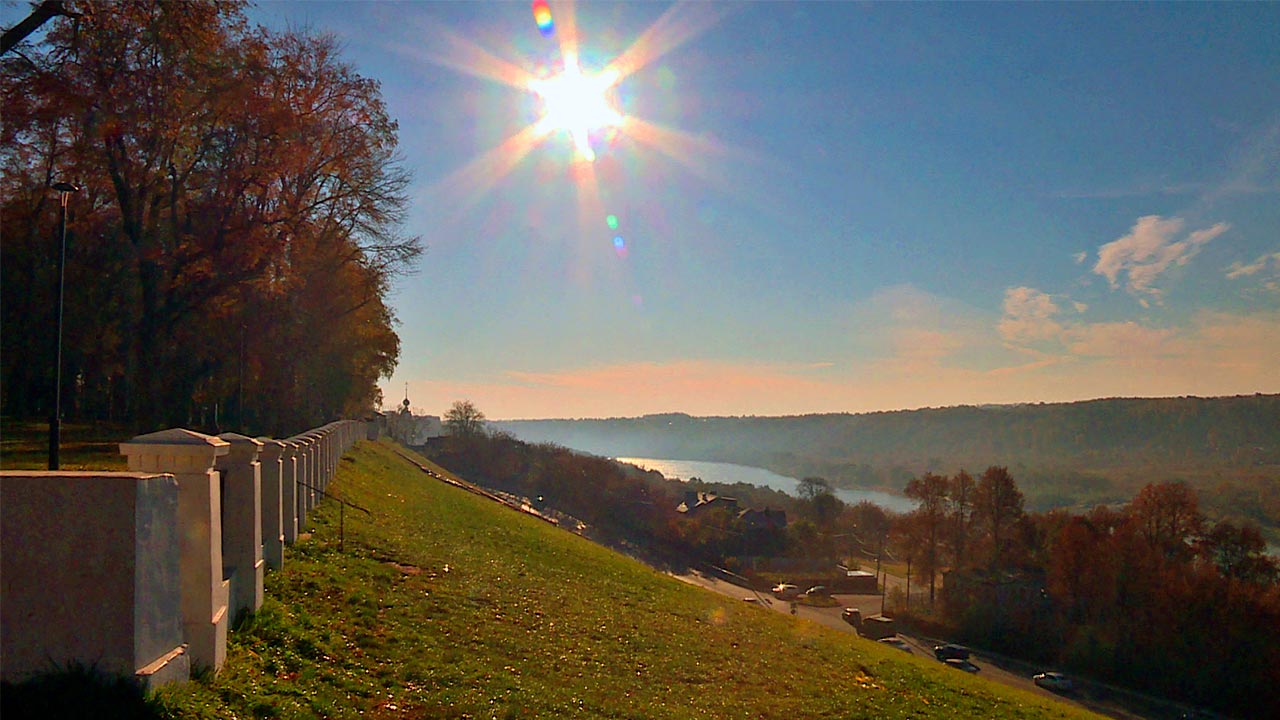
(1065, 454)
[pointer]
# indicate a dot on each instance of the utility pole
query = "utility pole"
(908, 601)
(55, 420)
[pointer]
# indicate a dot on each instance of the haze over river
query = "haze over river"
(721, 472)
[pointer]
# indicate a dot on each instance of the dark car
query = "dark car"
(1053, 681)
(951, 652)
(852, 616)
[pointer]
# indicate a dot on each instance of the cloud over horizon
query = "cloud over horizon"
(930, 352)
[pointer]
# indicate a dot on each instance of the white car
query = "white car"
(1053, 681)
(786, 591)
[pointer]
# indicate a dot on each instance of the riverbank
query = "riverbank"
(731, 473)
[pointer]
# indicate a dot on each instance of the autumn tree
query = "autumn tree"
(811, 487)
(464, 420)
(997, 506)
(1168, 517)
(870, 522)
(822, 504)
(238, 225)
(1080, 575)
(1239, 552)
(960, 515)
(931, 492)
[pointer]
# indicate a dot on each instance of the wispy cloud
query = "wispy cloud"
(1138, 259)
(1029, 317)
(1265, 267)
(1253, 169)
(1213, 353)
(1250, 169)
(1239, 270)
(1233, 187)
(1033, 323)
(1115, 340)
(1141, 189)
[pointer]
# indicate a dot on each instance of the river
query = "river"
(728, 473)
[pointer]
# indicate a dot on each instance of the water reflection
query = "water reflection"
(728, 473)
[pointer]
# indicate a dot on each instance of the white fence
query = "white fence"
(140, 573)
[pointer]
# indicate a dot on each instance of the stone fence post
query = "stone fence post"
(330, 443)
(333, 451)
(322, 459)
(190, 456)
(89, 572)
(290, 468)
(271, 469)
(306, 478)
(242, 522)
(318, 471)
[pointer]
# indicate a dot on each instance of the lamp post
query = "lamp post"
(55, 420)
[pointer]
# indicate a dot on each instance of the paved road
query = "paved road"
(995, 668)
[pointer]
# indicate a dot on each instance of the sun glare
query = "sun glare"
(578, 104)
(581, 104)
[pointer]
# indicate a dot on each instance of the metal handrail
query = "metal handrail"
(342, 515)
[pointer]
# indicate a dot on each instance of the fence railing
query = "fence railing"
(142, 572)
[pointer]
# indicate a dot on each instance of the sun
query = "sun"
(577, 103)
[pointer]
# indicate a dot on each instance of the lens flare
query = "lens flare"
(612, 222)
(542, 16)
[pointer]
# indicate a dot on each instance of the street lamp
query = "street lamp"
(55, 420)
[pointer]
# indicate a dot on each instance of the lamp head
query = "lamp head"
(66, 187)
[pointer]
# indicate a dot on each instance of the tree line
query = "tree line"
(236, 230)
(1081, 453)
(1150, 594)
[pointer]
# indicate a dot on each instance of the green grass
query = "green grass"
(24, 445)
(445, 604)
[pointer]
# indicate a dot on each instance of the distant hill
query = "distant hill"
(1062, 453)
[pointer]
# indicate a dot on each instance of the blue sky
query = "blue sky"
(833, 207)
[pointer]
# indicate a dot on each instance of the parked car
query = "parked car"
(1053, 681)
(959, 664)
(876, 627)
(896, 642)
(818, 591)
(786, 591)
(751, 599)
(951, 652)
(853, 616)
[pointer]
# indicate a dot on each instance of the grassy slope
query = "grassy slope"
(448, 605)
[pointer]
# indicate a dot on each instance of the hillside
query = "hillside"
(1229, 431)
(1062, 454)
(445, 604)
